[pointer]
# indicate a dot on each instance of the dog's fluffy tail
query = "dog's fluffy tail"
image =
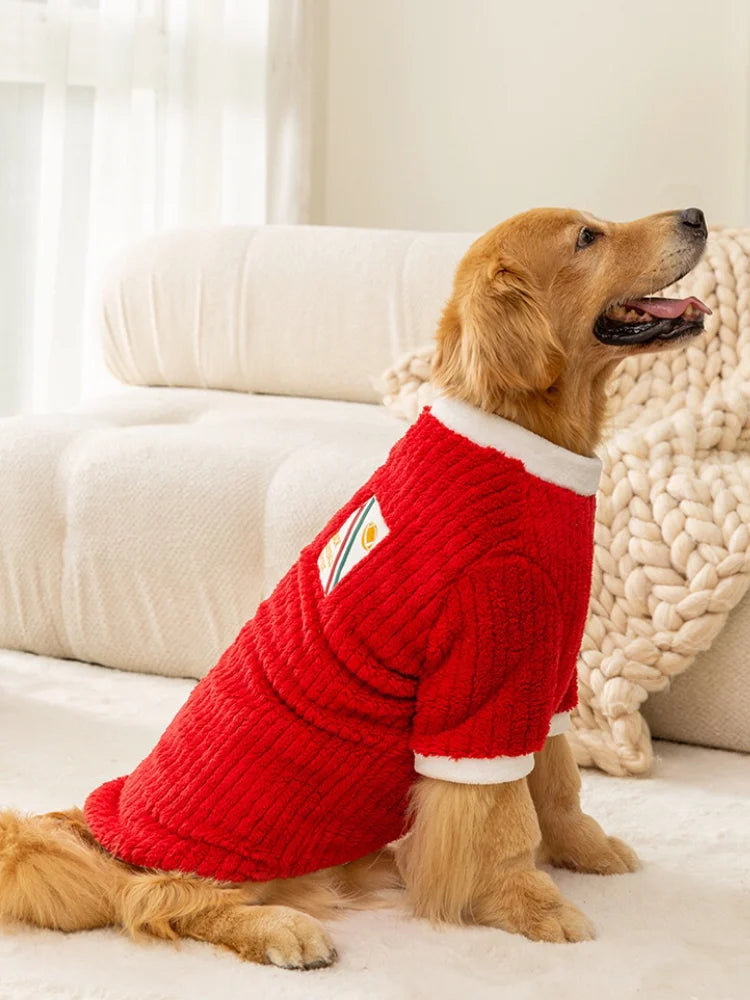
(53, 874)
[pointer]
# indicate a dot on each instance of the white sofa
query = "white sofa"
(141, 530)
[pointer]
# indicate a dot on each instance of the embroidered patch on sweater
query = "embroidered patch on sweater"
(356, 538)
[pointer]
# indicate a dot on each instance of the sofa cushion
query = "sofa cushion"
(298, 310)
(141, 531)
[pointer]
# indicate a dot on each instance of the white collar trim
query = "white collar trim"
(540, 457)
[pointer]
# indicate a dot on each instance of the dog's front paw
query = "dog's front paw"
(293, 940)
(582, 846)
(531, 904)
(609, 857)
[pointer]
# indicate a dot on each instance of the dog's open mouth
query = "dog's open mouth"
(641, 321)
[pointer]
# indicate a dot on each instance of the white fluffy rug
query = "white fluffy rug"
(678, 930)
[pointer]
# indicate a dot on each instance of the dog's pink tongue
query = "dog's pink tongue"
(667, 308)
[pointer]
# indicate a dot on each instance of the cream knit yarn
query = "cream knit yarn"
(672, 552)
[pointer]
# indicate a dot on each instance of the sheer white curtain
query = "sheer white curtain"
(294, 78)
(117, 118)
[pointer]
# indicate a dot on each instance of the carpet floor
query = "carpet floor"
(677, 930)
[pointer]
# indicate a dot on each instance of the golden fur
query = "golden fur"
(515, 339)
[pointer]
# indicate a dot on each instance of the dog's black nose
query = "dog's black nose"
(695, 220)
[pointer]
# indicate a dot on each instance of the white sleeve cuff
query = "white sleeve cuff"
(474, 770)
(485, 770)
(559, 723)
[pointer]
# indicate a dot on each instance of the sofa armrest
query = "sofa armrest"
(292, 310)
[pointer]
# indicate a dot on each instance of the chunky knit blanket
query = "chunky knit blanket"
(672, 554)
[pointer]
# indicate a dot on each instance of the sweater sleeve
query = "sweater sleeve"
(491, 690)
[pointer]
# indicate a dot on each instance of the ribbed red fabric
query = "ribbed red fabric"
(456, 635)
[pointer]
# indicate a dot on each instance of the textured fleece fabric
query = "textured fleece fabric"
(431, 627)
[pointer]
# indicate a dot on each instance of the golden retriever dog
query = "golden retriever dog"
(543, 308)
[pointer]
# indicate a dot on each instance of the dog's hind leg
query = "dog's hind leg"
(172, 905)
(53, 874)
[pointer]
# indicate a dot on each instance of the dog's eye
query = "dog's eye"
(586, 237)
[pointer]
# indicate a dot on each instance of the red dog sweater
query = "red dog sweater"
(432, 627)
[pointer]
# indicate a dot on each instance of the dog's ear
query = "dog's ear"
(495, 338)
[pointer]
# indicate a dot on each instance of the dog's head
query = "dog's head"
(552, 295)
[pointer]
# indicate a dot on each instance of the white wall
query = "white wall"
(452, 114)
